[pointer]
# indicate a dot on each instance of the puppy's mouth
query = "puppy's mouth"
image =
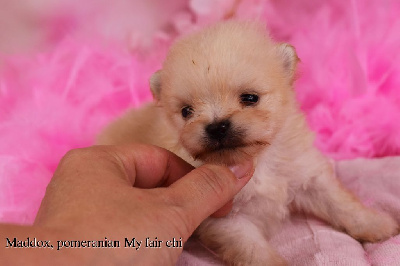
(229, 152)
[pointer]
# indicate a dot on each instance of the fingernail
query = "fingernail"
(242, 170)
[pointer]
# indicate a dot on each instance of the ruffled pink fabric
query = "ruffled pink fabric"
(349, 83)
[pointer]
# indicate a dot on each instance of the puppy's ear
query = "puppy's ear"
(288, 54)
(155, 85)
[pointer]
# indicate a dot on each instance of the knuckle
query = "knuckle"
(83, 154)
(74, 154)
(71, 154)
(75, 158)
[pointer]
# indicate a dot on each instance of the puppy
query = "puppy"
(224, 95)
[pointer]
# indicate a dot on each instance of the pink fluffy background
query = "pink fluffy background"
(69, 67)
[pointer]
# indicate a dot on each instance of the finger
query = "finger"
(207, 189)
(151, 166)
(224, 211)
(143, 166)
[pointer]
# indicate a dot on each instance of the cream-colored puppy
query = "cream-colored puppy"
(224, 95)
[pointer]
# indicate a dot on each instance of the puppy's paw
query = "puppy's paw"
(373, 226)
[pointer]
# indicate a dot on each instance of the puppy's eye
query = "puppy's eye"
(187, 111)
(248, 99)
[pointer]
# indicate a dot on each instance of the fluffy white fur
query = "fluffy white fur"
(209, 71)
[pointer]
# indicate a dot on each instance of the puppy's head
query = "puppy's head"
(226, 90)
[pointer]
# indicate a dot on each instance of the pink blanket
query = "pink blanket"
(305, 240)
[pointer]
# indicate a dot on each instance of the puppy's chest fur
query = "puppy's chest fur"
(268, 195)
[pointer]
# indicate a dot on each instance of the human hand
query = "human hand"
(135, 191)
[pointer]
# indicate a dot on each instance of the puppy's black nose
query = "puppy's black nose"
(218, 130)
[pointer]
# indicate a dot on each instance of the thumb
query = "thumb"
(206, 189)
